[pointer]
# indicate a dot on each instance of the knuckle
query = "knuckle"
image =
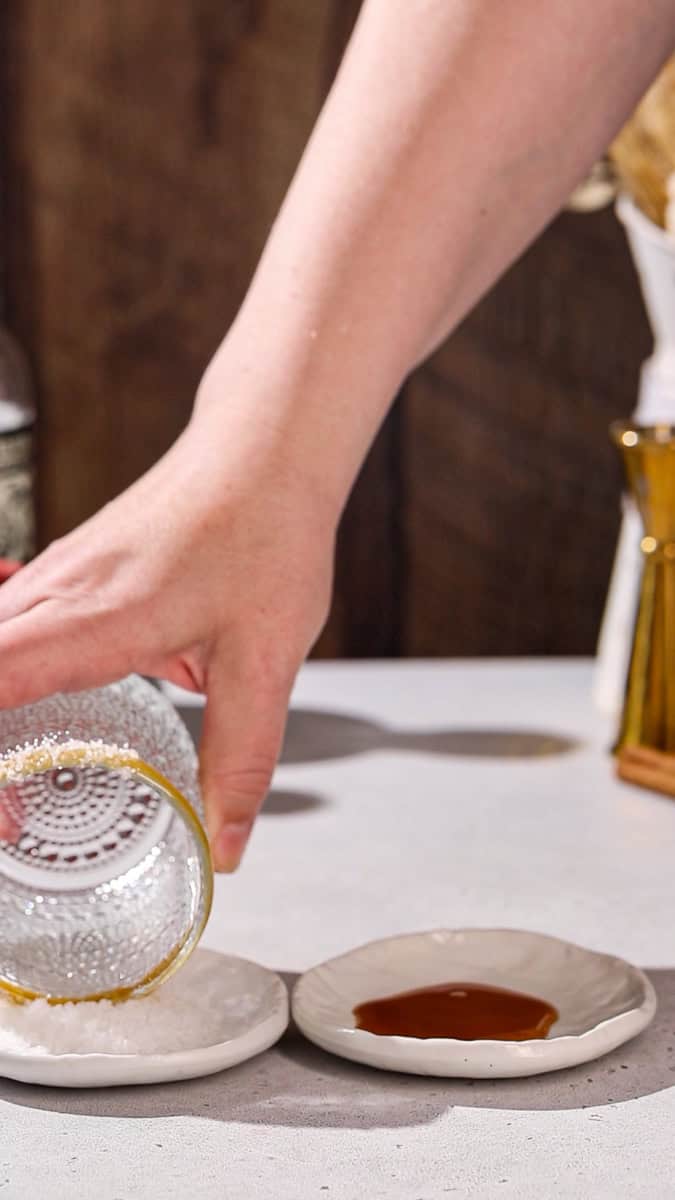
(252, 777)
(243, 789)
(269, 666)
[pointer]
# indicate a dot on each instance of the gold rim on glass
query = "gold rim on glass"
(159, 974)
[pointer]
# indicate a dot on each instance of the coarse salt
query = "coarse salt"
(190, 1010)
(48, 753)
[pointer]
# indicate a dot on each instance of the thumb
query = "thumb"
(242, 734)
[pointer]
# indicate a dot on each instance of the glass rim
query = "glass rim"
(175, 959)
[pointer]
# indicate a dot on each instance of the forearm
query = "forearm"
(454, 131)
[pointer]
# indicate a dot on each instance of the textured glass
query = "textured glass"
(105, 877)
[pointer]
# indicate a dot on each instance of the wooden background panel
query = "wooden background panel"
(145, 150)
(511, 484)
(366, 616)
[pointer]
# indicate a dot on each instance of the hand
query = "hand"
(8, 567)
(212, 571)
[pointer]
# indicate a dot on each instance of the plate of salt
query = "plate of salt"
(215, 1012)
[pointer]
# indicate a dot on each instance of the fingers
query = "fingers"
(53, 648)
(243, 729)
(6, 823)
(8, 566)
(23, 589)
(11, 812)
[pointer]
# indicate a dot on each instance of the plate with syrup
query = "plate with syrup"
(473, 1003)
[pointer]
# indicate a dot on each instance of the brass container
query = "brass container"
(648, 717)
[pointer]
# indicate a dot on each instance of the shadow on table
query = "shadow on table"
(298, 1085)
(314, 735)
(281, 802)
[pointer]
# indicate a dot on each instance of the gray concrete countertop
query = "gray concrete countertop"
(410, 796)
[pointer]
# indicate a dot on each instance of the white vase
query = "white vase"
(653, 252)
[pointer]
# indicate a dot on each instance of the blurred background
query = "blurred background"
(145, 149)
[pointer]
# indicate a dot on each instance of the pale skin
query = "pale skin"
(455, 130)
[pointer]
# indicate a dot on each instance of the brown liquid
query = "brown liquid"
(468, 1011)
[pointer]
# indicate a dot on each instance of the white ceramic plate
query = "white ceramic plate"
(602, 1001)
(252, 1016)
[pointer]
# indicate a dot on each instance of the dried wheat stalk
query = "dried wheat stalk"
(643, 154)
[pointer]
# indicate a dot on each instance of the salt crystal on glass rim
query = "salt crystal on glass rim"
(49, 753)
